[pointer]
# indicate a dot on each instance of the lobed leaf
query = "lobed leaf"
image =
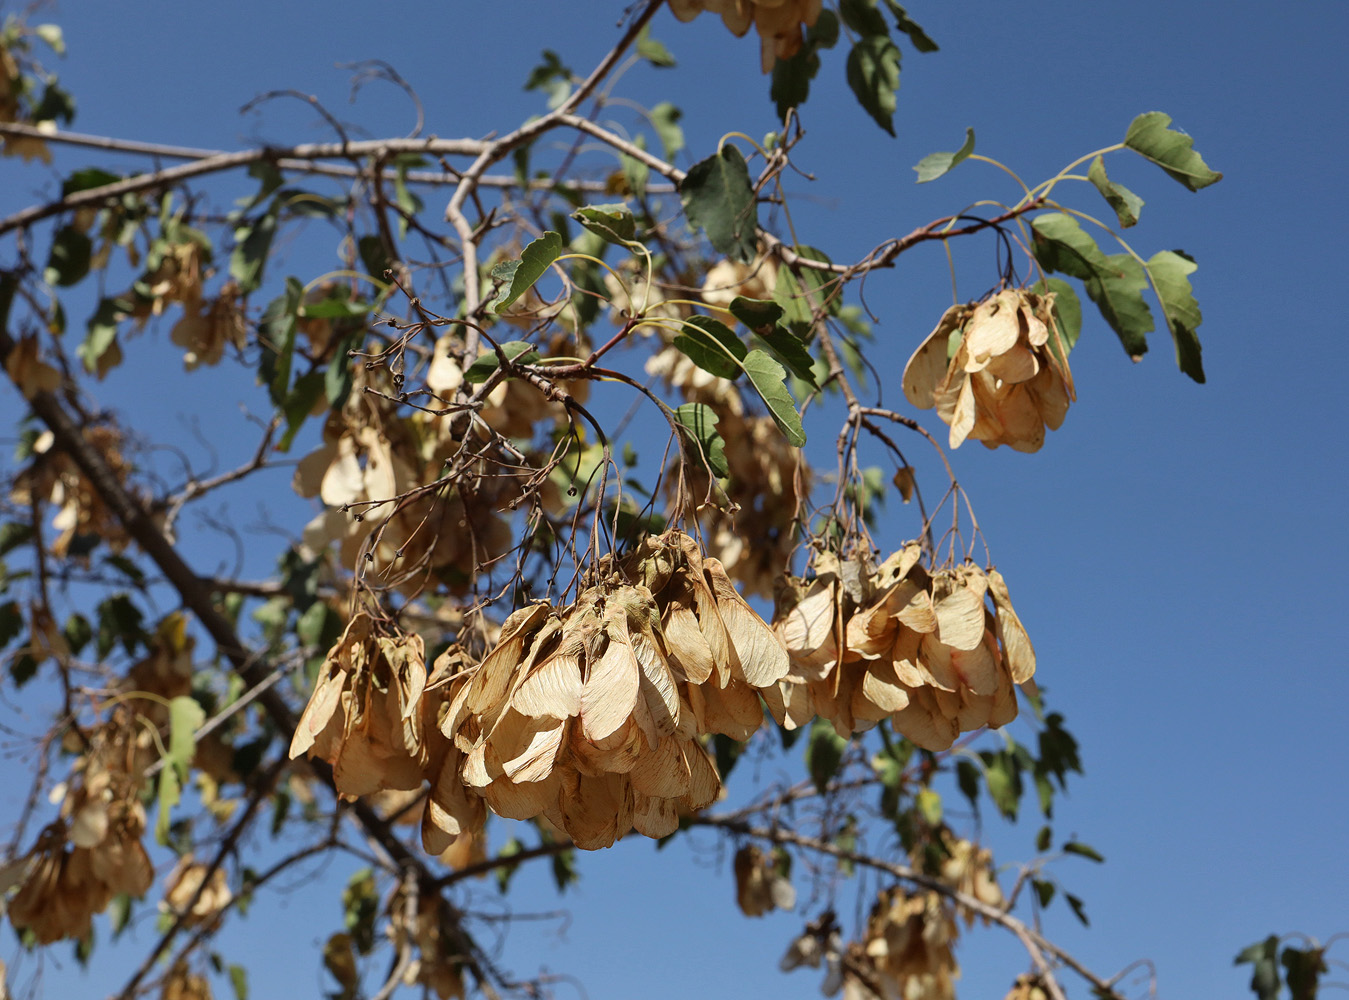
(1173, 151)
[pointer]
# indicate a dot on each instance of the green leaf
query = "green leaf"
(520, 275)
(873, 75)
(170, 791)
(320, 626)
(101, 338)
(928, 803)
(118, 621)
(967, 778)
(1079, 908)
(51, 34)
(1126, 204)
(1084, 851)
(612, 223)
(1067, 313)
(185, 718)
(863, 17)
(239, 981)
(1115, 283)
(934, 165)
(69, 259)
(1044, 890)
(252, 246)
(767, 376)
(277, 330)
(824, 753)
(338, 305)
(795, 294)
(711, 346)
(718, 198)
(509, 849)
(306, 392)
(11, 623)
(77, 632)
(1264, 955)
(727, 751)
(665, 120)
(552, 77)
(409, 205)
(13, 534)
(1043, 839)
(791, 77)
(1171, 150)
(1004, 782)
(564, 869)
(653, 51)
(87, 179)
(338, 378)
(908, 26)
(756, 314)
(1169, 270)
(519, 351)
(791, 350)
(635, 172)
(700, 422)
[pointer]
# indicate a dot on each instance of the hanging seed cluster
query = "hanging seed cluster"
(997, 372)
(938, 653)
(907, 949)
(94, 851)
(778, 22)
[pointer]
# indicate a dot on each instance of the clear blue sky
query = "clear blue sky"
(1175, 549)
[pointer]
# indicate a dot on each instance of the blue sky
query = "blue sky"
(1174, 549)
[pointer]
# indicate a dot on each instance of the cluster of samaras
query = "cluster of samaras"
(924, 649)
(778, 22)
(593, 717)
(997, 372)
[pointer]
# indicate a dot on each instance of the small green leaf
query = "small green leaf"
(338, 378)
(795, 295)
(1043, 839)
(767, 376)
(69, 259)
(1169, 270)
(239, 981)
(863, 17)
(1044, 891)
(102, 337)
(51, 34)
(534, 260)
(552, 77)
(77, 632)
(1264, 955)
(665, 120)
(967, 777)
(1084, 851)
(1126, 204)
(653, 51)
(519, 351)
(252, 247)
(170, 792)
(277, 330)
(1003, 778)
(906, 24)
(11, 623)
(1171, 150)
(612, 223)
(87, 179)
(635, 172)
(700, 422)
(13, 534)
(1067, 313)
(509, 849)
(712, 346)
(564, 869)
(718, 198)
(873, 75)
(934, 165)
(320, 626)
(306, 392)
(338, 305)
(727, 751)
(929, 806)
(1079, 909)
(824, 753)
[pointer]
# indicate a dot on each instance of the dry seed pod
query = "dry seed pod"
(1008, 378)
(364, 716)
(759, 885)
(922, 649)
